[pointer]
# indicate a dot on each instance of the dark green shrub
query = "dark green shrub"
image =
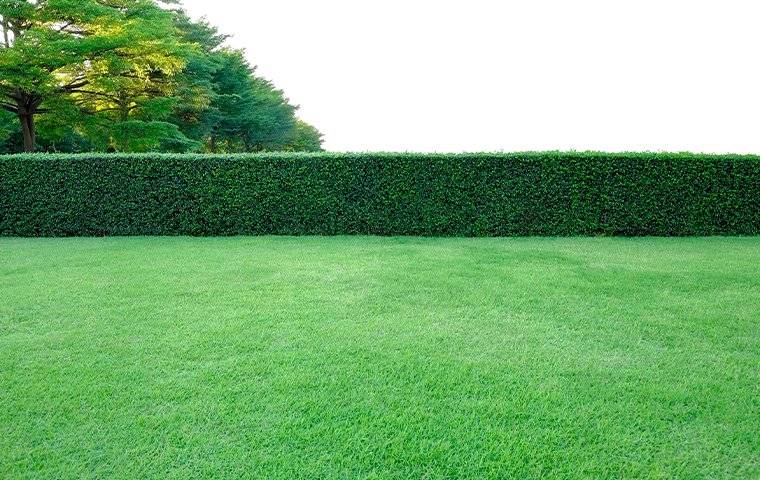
(383, 194)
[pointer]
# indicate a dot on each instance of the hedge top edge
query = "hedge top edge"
(380, 155)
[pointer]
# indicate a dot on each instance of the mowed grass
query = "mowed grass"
(362, 357)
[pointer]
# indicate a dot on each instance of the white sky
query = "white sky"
(480, 75)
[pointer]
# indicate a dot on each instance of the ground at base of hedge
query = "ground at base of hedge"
(363, 357)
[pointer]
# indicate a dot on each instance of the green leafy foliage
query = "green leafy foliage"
(306, 138)
(7, 125)
(141, 136)
(252, 114)
(193, 112)
(384, 194)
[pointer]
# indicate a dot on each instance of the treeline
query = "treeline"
(133, 76)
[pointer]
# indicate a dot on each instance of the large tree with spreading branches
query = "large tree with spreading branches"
(101, 55)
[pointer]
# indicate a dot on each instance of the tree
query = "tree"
(233, 100)
(253, 115)
(305, 138)
(223, 103)
(108, 55)
(196, 91)
(271, 121)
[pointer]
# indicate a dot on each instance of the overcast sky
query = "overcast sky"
(483, 75)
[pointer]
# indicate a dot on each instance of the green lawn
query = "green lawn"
(363, 357)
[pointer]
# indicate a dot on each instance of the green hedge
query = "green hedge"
(549, 193)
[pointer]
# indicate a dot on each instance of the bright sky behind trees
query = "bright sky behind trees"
(442, 75)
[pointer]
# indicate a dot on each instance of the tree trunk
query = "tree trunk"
(28, 131)
(27, 106)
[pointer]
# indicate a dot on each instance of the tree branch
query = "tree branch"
(71, 87)
(14, 95)
(65, 26)
(9, 107)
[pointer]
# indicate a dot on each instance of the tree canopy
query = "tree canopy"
(133, 75)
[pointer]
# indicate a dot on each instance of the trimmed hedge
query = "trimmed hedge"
(548, 193)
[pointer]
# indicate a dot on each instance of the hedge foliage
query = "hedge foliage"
(550, 193)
